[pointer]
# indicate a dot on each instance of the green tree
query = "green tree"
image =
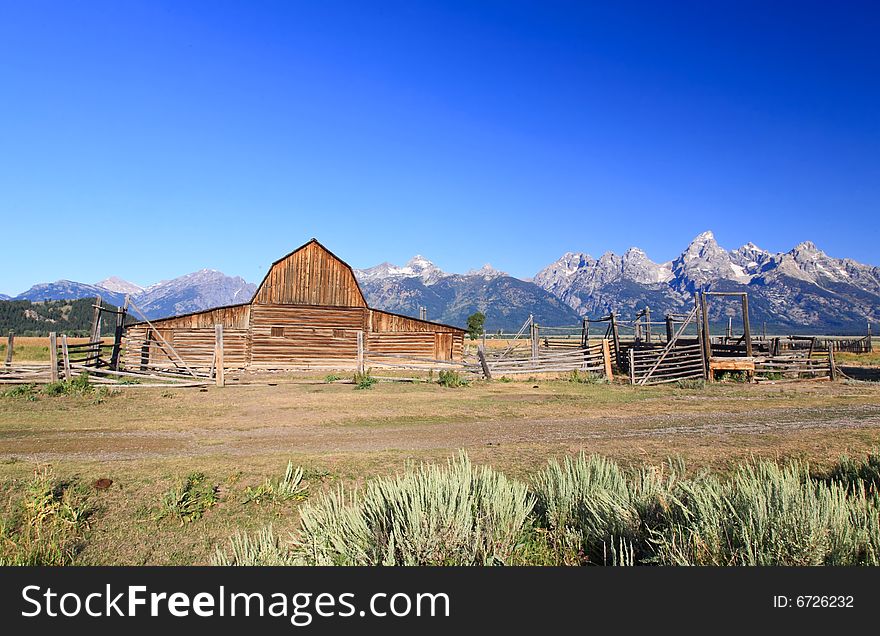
(475, 324)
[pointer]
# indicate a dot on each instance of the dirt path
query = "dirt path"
(95, 445)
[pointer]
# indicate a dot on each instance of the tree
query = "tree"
(475, 324)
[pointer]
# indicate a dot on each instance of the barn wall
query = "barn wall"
(194, 345)
(310, 276)
(304, 335)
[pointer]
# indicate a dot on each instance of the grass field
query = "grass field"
(36, 349)
(168, 450)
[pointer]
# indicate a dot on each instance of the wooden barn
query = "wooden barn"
(308, 312)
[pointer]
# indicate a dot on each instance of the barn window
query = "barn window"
(278, 332)
(339, 333)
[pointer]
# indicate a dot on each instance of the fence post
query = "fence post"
(53, 356)
(96, 320)
(218, 355)
(701, 336)
(647, 324)
(117, 335)
(747, 332)
(616, 337)
(632, 366)
(534, 335)
(482, 356)
(66, 356)
(833, 367)
(360, 352)
(10, 345)
(606, 358)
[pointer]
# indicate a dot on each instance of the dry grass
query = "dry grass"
(35, 348)
(147, 441)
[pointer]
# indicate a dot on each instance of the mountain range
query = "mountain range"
(200, 290)
(800, 291)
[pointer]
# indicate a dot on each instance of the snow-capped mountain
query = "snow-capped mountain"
(116, 284)
(416, 267)
(800, 290)
(451, 298)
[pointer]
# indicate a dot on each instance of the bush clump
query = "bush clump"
(364, 380)
(189, 500)
(47, 526)
(586, 377)
(588, 510)
(451, 379)
(289, 487)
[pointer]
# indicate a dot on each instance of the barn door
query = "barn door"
(443, 346)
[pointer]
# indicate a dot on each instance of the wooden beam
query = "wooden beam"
(218, 355)
(747, 332)
(482, 356)
(606, 358)
(96, 319)
(65, 357)
(700, 336)
(117, 335)
(10, 347)
(53, 356)
(632, 367)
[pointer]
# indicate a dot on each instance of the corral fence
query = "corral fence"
(100, 360)
(539, 349)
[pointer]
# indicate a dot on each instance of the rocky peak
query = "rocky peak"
(705, 262)
(118, 285)
(487, 272)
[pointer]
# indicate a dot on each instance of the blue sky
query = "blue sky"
(156, 138)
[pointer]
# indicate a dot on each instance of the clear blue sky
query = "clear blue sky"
(156, 138)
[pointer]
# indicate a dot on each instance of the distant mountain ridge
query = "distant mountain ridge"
(800, 291)
(451, 298)
(803, 289)
(197, 291)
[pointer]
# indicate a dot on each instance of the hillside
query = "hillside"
(27, 318)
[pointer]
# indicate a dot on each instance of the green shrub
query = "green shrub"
(25, 391)
(451, 379)
(851, 473)
(289, 487)
(586, 377)
(691, 383)
(364, 380)
(431, 515)
(331, 377)
(770, 515)
(263, 548)
(48, 525)
(588, 510)
(189, 500)
(80, 385)
(592, 508)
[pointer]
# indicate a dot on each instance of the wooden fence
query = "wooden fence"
(661, 366)
(791, 367)
(594, 358)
